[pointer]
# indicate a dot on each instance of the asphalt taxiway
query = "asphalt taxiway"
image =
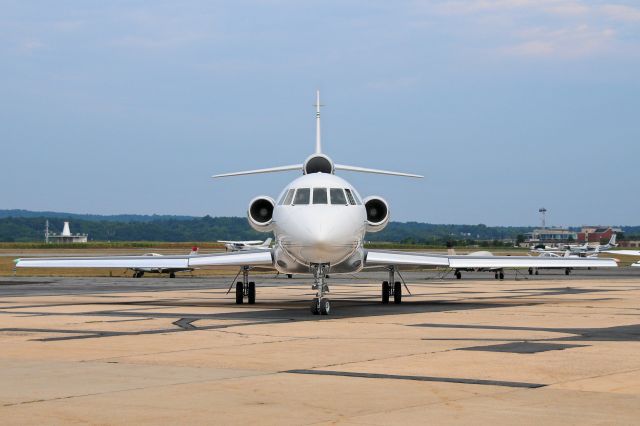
(547, 348)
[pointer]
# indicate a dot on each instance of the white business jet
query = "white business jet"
(319, 222)
(247, 245)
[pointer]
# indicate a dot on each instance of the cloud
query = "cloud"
(31, 45)
(393, 84)
(160, 41)
(568, 9)
(620, 12)
(567, 42)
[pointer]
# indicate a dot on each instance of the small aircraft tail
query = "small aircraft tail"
(612, 241)
(266, 243)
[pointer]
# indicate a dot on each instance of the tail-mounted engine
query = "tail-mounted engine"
(260, 213)
(377, 213)
(318, 163)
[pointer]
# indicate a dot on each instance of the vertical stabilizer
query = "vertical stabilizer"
(318, 140)
(66, 232)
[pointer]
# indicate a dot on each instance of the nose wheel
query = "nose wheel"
(320, 305)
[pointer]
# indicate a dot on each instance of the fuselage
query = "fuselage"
(319, 218)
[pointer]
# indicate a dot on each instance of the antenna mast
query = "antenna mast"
(318, 141)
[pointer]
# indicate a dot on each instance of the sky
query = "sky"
(505, 106)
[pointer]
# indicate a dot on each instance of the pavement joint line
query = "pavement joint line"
(428, 404)
(11, 404)
(486, 382)
(188, 350)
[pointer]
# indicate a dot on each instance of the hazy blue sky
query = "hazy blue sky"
(505, 105)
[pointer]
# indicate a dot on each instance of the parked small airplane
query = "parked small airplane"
(498, 272)
(247, 245)
(584, 248)
(568, 254)
(139, 272)
(319, 222)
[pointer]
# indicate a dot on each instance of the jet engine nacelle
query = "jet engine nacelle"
(318, 163)
(377, 213)
(260, 213)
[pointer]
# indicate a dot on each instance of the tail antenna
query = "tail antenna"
(318, 140)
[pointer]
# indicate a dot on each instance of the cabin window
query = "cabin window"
(337, 196)
(352, 201)
(320, 196)
(302, 196)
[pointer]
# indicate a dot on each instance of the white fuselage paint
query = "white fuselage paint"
(319, 233)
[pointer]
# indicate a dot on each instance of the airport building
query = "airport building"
(65, 237)
(596, 234)
(552, 236)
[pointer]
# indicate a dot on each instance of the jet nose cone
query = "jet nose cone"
(320, 236)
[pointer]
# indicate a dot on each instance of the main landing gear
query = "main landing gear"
(499, 274)
(391, 288)
(320, 305)
(245, 288)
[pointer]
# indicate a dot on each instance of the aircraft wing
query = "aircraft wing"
(245, 258)
(396, 258)
(622, 252)
(241, 242)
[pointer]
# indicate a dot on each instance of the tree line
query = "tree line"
(29, 228)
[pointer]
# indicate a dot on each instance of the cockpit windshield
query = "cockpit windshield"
(302, 196)
(287, 197)
(337, 196)
(353, 197)
(350, 197)
(320, 196)
(334, 196)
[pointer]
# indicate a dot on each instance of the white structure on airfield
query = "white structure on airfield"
(65, 237)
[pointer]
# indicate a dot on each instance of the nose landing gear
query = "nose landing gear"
(320, 305)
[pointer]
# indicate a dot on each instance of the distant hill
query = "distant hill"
(92, 217)
(28, 226)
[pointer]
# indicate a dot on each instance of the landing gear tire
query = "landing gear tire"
(325, 306)
(385, 292)
(496, 275)
(138, 274)
(458, 275)
(567, 271)
(252, 293)
(315, 309)
(537, 273)
(397, 292)
(530, 271)
(172, 275)
(289, 276)
(501, 275)
(239, 293)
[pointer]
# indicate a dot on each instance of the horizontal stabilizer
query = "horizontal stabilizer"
(268, 170)
(377, 171)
